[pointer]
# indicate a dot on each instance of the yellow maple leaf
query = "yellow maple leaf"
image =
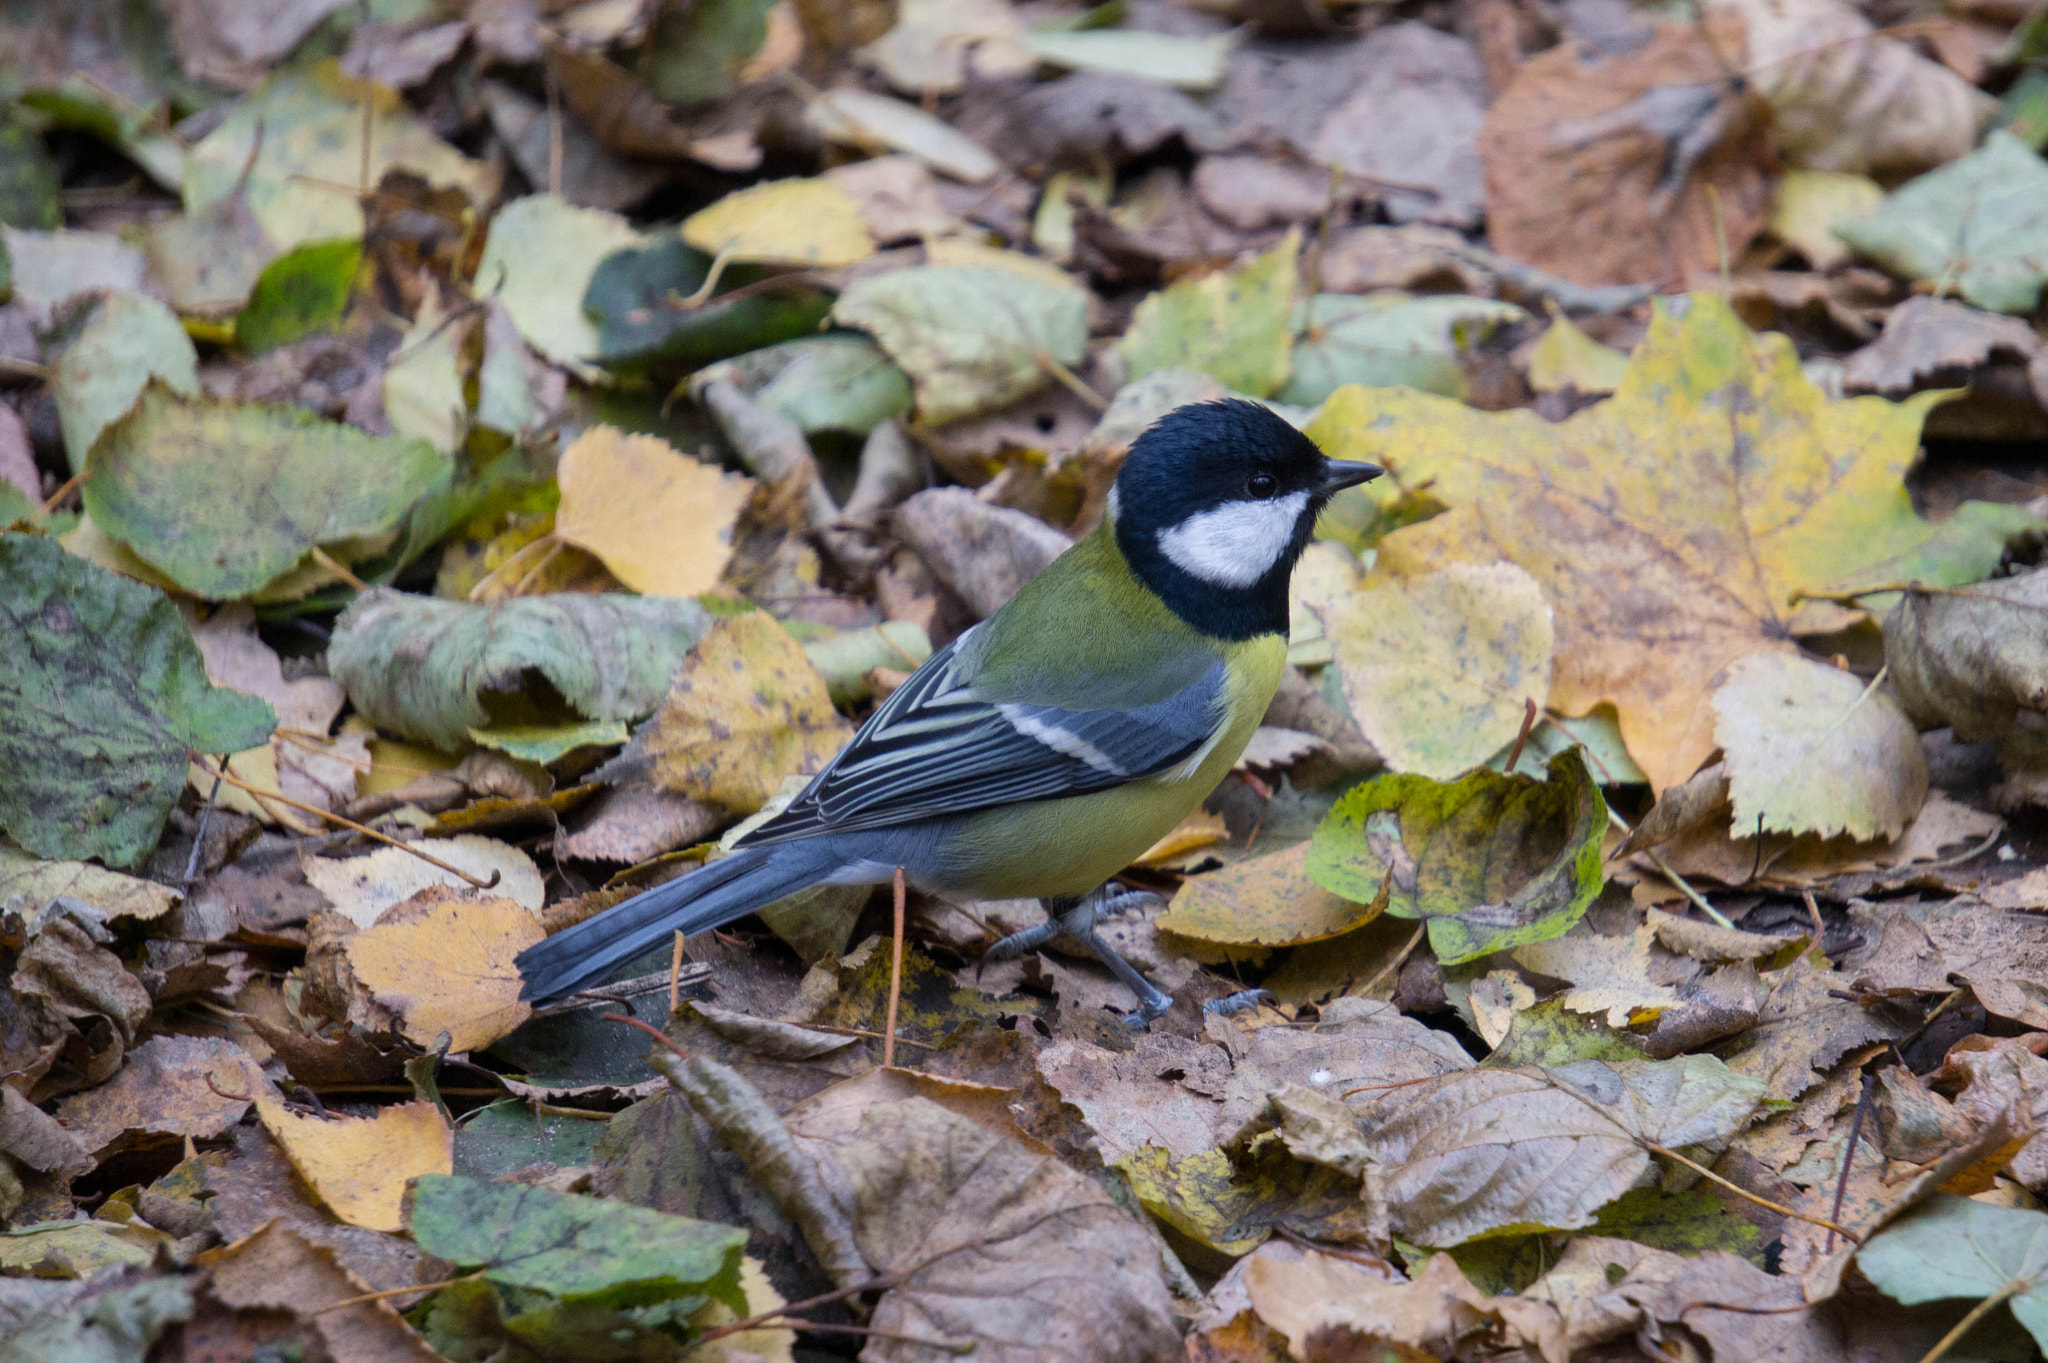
(360, 1165)
(746, 709)
(1669, 526)
(660, 520)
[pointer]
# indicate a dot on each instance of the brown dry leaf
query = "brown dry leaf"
(277, 1269)
(1924, 336)
(1357, 1042)
(1581, 151)
(447, 964)
(80, 1009)
(984, 553)
(360, 1165)
(1409, 126)
(224, 43)
(1926, 948)
(992, 1242)
(1805, 1026)
(1484, 1149)
(1711, 942)
(634, 822)
(33, 1138)
(660, 520)
(1437, 1311)
(1999, 1075)
(1608, 974)
(361, 888)
(27, 883)
(1267, 900)
(164, 1090)
(746, 709)
(1166, 1092)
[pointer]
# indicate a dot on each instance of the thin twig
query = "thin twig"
(1678, 882)
(1820, 929)
(1072, 382)
(199, 835)
(396, 1292)
(554, 96)
(654, 1032)
(1977, 1313)
(337, 567)
(702, 294)
(206, 764)
(879, 1284)
(624, 991)
(1528, 723)
(1849, 1154)
(1749, 1196)
(675, 974)
(1414, 941)
(56, 499)
(895, 979)
(870, 1035)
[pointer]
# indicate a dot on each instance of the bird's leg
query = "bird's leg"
(1017, 943)
(1079, 921)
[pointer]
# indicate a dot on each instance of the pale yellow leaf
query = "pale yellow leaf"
(447, 964)
(784, 222)
(361, 888)
(660, 520)
(360, 1165)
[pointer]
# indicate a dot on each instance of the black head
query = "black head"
(1215, 502)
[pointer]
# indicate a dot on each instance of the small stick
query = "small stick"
(554, 94)
(1749, 1196)
(703, 292)
(881, 1284)
(1390, 967)
(199, 835)
(1678, 881)
(654, 1032)
(395, 1292)
(56, 499)
(1848, 1154)
(206, 765)
(1813, 911)
(895, 980)
(864, 1032)
(622, 992)
(335, 566)
(675, 974)
(1528, 723)
(1071, 381)
(1977, 1313)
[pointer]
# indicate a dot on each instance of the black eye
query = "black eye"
(1262, 485)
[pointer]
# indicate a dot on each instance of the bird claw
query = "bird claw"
(1017, 943)
(1236, 1003)
(1077, 919)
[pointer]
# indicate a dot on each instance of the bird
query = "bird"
(1048, 746)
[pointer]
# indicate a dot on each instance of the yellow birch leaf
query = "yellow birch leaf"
(784, 222)
(660, 520)
(1264, 901)
(360, 1165)
(1810, 202)
(362, 888)
(443, 963)
(1565, 357)
(746, 709)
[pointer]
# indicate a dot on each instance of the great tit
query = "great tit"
(1048, 746)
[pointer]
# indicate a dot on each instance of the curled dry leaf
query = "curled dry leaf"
(1924, 336)
(660, 520)
(362, 888)
(745, 710)
(1438, 669)
(163, 1090)
(1476, 1151)
(984, 553)
(278, 1269)
(446, 964)
(360, 1165)
(1811, 748)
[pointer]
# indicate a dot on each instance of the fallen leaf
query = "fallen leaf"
(1669, 526)
(641, 299)
(28, 883)
(538, 261)
(1384, 341)
(1977, 224)
(1234, 325)
(434, 670)
(1924, 948)
(1590, 169)
(1438, 669)
(423, 398)
(1267, 900)
(2000, 1078)
(362, 888)
(1186, 63)
(580, 1249)
(360, 1166)
(118, 1325)
(877, 123)
(822, 383)
(803, 222)
(209, 261)
(79, 1249)
(49, 267)
(1324, 1295)
(1609, 974)
(1924, 336)
(934, 43)
(229, 45)
(129, 340)
(1808, 205)
(1489, 862)
(1956, 1247)
(1565, 358)
(302, 132)
(163, 1090)
(227, 498)
(984, 553)
(444, 966)
(303, 292)
(745, 709)
(660, 520)
(119, 699)
(1814, 749)
(897, 196)
(993, 1242)
(1846, 97)
(1805, 1026)
(278, 1269)
(972, 338)
(1408, 124)
(1484, 1149)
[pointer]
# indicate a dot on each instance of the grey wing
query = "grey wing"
(937, 746)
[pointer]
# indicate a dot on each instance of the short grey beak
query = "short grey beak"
(1339, 474)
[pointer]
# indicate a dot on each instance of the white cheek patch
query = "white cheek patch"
(1236, 544)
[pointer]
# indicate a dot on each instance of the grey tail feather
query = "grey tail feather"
(705, 898)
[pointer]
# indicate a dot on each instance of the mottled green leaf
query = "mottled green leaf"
(1489, 861)
(822, 383)
(301, 292)
(130, 339)
(101, 695)
(434, 670)
(225, 498)
(635, 298)
(1234, 325)
(1386, 340)
(580, 1249)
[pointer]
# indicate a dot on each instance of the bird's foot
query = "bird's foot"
(1017, 943)
(1238, 1002)
(1079, 922)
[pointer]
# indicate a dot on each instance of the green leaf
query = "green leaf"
(13, 506)
(971, 337)
(115, 1326)
(1954, 1247)
(545, 743)
(100, 698)
(508, 1136)
(696, 51)
(301, 292)
(1979, 224)
(1489, 861)
(224, 498)
(1233, 325)
(580, 1249)
(130, 339)
(633, 299)
(822, 383)
(425, 668)
(1386, 340)
(28, 178)
(539, 260)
